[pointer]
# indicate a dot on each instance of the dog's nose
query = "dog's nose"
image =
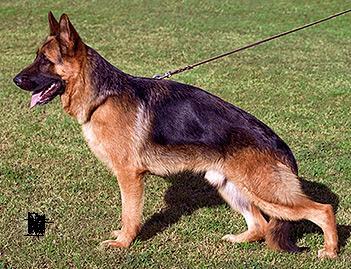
(25, 81)
(18, 80)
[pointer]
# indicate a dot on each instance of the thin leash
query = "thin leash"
(189, 67)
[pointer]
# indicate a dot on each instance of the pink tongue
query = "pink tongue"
(35, 99)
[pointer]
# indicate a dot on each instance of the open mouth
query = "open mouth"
(47, 93)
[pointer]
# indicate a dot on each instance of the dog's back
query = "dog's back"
(182, 114)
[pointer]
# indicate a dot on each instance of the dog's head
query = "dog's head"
(57, 63)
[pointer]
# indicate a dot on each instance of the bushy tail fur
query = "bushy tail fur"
(277, 236)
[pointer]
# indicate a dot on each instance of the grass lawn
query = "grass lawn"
(299, 85)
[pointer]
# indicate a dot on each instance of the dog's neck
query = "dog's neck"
(97, 81)
(105, 78)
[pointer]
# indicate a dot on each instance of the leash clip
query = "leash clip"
(165, 75)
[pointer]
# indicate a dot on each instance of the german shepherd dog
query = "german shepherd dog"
(142, 125)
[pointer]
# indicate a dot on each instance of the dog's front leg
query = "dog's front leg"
(131, 185)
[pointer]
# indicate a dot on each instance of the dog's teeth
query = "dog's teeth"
(52, 85)
(49, 89)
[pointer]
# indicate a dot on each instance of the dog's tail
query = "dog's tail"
(277, 236)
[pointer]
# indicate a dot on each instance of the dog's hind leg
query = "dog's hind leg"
(275, 189)
(132, 191)
(304, 208)
(256, 223)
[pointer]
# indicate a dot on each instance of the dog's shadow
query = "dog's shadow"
(189, 192)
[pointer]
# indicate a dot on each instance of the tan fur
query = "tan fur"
(108, 134)
(263, 176)
(50, 49)
(265, 181)
(77, 99)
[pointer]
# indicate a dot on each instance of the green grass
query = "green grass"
(299, 85)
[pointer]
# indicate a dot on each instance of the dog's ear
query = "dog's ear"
(53, 24)
(69, 38)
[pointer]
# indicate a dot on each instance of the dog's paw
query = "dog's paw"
(248, 236)
(122, 240)
(323, 253)
(114, 244)
(232, 238)
(116, 233)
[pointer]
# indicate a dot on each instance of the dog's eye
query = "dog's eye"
(44, 62)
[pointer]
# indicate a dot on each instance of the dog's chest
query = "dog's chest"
(96, 143)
